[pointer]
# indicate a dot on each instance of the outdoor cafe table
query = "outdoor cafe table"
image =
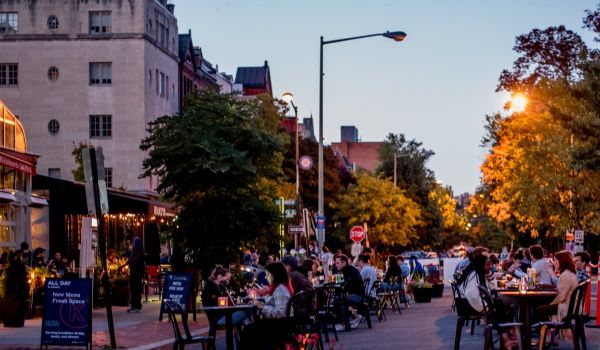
(525, 300)
(228, 312)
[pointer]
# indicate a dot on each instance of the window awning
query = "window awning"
(23, 162)
(37, 202)
(6, 196)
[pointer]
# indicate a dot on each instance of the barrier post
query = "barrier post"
(597, 323)
(588, 300)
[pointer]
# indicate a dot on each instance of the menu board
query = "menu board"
(67, 317)
(177, 288)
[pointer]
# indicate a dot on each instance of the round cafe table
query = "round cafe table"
(525, 300)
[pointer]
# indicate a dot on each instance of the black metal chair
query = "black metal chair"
(301, 324)
(181, 339)
(574, 320)
(464, 313)
(492, 324)
(327, 308)
(375, 301)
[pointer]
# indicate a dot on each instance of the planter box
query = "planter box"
(120, 296)
(13, 313)
(438, 290)
(422, 295)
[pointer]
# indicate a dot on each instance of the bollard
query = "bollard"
(597, 323)
(588, 300)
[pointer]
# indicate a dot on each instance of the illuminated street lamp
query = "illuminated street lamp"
(396, 36)
(518, 102)
(288, 98)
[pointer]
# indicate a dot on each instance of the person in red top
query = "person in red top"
(269, 331)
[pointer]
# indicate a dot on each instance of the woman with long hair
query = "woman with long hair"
(567, 282)
(471, 278)
(268, 332)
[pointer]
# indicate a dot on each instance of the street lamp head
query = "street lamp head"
(287, 97)
(397, 36)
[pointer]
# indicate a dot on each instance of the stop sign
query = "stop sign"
(357, 234)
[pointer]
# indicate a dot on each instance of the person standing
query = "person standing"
(136, 274)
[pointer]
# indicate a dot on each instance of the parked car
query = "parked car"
(419, 254)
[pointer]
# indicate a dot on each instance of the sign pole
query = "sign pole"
(96, 162)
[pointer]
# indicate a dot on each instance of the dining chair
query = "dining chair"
(492, 324)
(327, 309)
(574, 320)
(182, 339)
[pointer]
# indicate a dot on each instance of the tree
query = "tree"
(417, 180)
(391, 216)
(78, 174)
(216, 161)
(453, 223)
(554, 53)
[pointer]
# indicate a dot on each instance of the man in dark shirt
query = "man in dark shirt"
(353, 287)
(307, 302)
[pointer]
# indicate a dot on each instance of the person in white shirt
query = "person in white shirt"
(326, 261)
(472, 277)
(544, 273)
(367, 272)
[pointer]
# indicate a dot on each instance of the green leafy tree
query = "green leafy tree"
(217, 162)
(78, 174)
(391, 216)
(417, 181)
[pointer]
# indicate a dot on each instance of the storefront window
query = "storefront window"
(7, 227)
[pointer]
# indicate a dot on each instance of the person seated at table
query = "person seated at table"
(567, 282)
(544, 273)
(403, 266)
(582, 259)
(516, 269)
(353, 288)
(306, 304)
(393, 270)
(309, 268)
(57, 264)
(367, 272)
(215, 287)
(269, 331)
(39, 259)
(473, 276)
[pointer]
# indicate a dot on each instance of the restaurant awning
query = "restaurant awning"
(37, 202)
(6, 197)
(23, 162)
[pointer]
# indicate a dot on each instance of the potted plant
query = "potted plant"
(120, 290)
(437, 283)
(14, 291)
(420, 288)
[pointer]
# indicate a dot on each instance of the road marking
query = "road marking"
(167, 341)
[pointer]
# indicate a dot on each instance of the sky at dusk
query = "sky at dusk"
(436, 86)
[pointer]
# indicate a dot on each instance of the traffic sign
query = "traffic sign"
(295, 229)
(579, 236)
(320, 222)
(305, 162)
(357, 234)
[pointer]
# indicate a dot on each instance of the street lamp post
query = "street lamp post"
(396, 36)
(288, 97)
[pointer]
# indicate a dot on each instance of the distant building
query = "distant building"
(254, 80)
(90, 71)
(356, 154)
(349, 133)
(305, 129)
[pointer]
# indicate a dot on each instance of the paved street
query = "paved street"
(422, 326)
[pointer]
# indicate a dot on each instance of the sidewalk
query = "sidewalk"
(139, 331)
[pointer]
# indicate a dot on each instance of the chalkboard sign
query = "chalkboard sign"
(177, 288)
(67, 317)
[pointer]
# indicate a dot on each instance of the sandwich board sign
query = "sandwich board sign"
(67, 317)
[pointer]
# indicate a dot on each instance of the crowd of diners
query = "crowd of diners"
(562, 271)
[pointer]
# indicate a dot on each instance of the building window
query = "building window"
(108, 176)
(53, 127)
(54, 172)
(100, 126)
(100, 73)
(161, 89)
(9, 74)
(100, 22)
(167, 88)
(53, 74)
(53, 23)
(150, 77)
(157, 82)
(9, 22)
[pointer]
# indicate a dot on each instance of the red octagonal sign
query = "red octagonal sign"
(357, 234)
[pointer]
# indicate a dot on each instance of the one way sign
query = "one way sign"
(295, 229)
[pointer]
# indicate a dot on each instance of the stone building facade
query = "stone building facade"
(89, 71)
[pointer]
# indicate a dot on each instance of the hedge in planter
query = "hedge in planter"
(14, 290)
